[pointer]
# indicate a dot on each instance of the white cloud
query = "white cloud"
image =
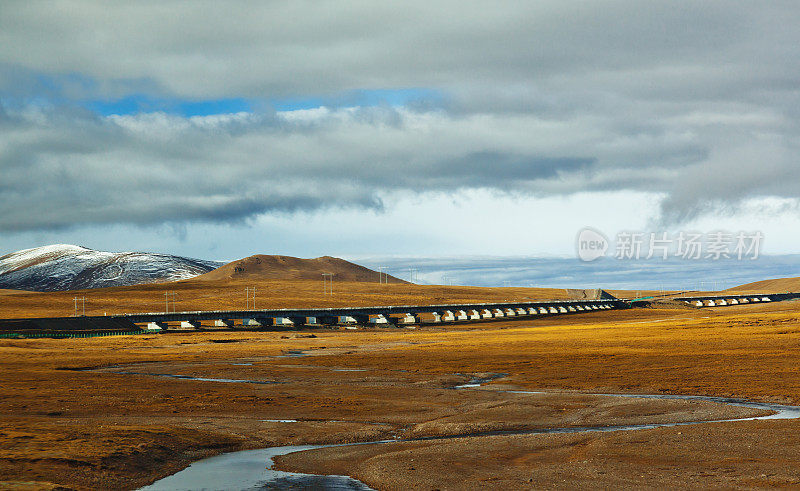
(693, 104)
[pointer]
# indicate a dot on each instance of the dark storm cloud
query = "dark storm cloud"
(695, 101)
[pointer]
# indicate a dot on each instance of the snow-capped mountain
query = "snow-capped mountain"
(69, 267)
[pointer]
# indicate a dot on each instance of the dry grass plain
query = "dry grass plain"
(230, 295)
(70, 419)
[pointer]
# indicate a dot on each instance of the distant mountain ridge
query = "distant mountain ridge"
(69, 267)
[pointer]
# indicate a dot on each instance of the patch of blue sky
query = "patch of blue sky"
(139, 103)
(135, 104)
(20, 87)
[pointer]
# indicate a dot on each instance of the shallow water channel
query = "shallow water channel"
(252, 469)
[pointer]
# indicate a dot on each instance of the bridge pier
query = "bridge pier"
(282, 322)
(378, 319)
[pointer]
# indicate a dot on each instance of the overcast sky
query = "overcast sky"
(224, 129)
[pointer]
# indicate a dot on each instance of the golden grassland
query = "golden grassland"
(192, 295)
(70, 419)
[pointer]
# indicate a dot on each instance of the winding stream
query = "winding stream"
(252, 469)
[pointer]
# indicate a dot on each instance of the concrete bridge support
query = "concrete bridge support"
(562, 310)
(474, 315)
(553, 310)
(461, 315)
(448, 316)
(223, 323)
(379, 319)
(402, 319)
(157, 326)
(486, 314)
(498, 313)
(282, 322)
(509, 313)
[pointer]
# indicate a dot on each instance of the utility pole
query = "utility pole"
(327, 283)
(412, 273)
(250, 293)
(170, 295)
(83, 305)
(383, 277)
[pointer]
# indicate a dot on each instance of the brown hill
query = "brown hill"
(294, 268)
(776, 285)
